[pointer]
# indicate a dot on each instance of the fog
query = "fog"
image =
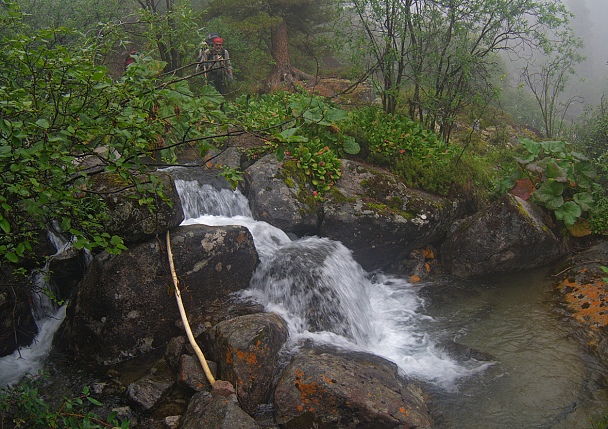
(591, 24)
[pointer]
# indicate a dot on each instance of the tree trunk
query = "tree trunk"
(283, 73)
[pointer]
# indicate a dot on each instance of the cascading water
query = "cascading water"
(529, 374)
(325, 296)
(48, 316)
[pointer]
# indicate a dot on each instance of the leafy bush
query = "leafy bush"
(21, 406)
(59, 109)
(550, 174)
(385, 137)
(301, 126)
(419, 156)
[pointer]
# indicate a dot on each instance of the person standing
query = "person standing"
(215, 63)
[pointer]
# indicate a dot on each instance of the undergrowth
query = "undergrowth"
(22, 406)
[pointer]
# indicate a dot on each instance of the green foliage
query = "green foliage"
(22, 406)
(302, 126)
(602, 423)
(444, 53)
(320, 163)
(386, 137)
(598, 219)
(81, 15)
(61, 109)
(556, 177)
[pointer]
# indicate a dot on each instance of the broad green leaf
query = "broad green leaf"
(569, 212)
(584, 200)
(525, 159)
(550, 194)
(43, 123)
(531, 146)
(11, 257)
(554, 171)
(290, 136)
(6, 227)
(336, 115)
(553, 146)
(585, 169)
(350, 145)
(280, 154)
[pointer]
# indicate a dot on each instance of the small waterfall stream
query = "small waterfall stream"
(326, 297)
(529, 374)
(48, 316)
(533, 375)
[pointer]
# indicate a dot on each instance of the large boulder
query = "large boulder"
(281, 196)
(381, 220)
(322, 388)
(212, 411)
(127, 217)
(125, 304)
(582, 293)
(247, 351)
(510, 235)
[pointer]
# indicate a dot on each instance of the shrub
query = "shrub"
(554, 176)
(22, 406)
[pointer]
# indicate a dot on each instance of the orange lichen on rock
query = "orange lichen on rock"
(250, 358)
(588, 302)
(310, 391)
(428, 253)
(405, 412)
(414, 279)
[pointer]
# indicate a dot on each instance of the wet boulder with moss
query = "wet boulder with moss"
(372, 212)
(280, 194)
(511, 235)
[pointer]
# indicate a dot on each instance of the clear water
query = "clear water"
(530, 372)
(541, 378)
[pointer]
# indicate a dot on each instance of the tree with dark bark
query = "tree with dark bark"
(278, 22)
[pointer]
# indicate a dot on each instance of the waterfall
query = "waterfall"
(48, 316)
(326, 297)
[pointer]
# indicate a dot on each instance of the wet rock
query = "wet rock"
(282, 198)
(174, 351)
(172, 422)
(463, 353)
(67, 270)
(192, 375)
(209, 411)
(323, 388)
(125, 305)
(246, 349)
(130, 220)
(151, 389)
(509, 236)
(583, 295)
(371, 212)
(223, 388)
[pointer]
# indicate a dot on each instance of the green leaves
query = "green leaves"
(22, 406)
(558, 179)
(60, 109)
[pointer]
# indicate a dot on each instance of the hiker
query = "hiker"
(130, 58)
(215, 62)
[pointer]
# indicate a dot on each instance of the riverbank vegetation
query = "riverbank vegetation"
(439, 115)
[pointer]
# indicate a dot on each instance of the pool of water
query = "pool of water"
(541, 377)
